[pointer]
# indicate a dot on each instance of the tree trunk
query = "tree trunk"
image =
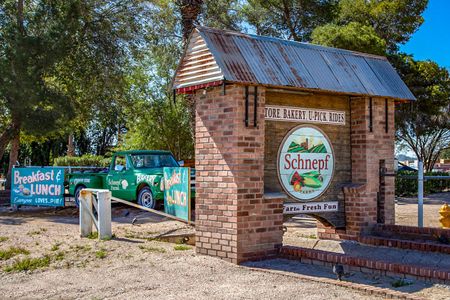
(190, 9)
(5, 138)
(70, 146)
(13, 156)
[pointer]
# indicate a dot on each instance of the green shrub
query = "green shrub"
(87, 160)
(408, 187)
(12, 251)
(101, 253)
(182, 247)
(28, 264)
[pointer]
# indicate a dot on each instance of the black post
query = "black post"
(246, 106)
(255, 108)
(370, 115)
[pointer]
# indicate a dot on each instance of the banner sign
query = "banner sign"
(310, 207)
(37, 186)
(305, 163)
(177, 192)
(304, 115)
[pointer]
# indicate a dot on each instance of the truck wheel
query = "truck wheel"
(145, 198)
(77, 194)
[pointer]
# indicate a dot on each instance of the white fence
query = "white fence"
(95, 210)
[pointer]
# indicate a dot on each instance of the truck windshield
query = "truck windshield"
(153, 161)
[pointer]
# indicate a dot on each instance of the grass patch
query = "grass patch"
(81, 248)
(55, 247)
(101, 254)
(28, 264)
(36, 232)
(93, 235)
(310, 236)
(152, 249)
(3, 239)
(113, 236)
(60, 255)
(12, 251)
(182, 247)
(401, 282)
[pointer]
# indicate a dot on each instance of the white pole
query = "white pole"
(104, 214)
(85, 213)
(420, 194)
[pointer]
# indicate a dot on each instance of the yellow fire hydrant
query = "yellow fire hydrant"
(445, 216)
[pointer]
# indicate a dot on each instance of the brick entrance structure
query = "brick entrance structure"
(233, 218)
(233, 78)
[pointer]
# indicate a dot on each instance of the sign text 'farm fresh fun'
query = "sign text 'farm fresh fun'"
(310, 207)
(177, 192)
(305, 115)
(37, 186)
(305, 163)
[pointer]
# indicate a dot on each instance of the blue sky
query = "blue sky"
(432, 40)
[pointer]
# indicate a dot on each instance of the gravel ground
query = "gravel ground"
(132, 265)
(406, 209)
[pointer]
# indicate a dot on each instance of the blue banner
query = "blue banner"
(177, 192)
(37, 186)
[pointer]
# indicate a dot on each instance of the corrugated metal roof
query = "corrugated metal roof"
(270, 61)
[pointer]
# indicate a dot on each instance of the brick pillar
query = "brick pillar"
(233, 219)
(365, 201)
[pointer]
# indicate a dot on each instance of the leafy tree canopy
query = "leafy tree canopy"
(352, 36)
(424, 126)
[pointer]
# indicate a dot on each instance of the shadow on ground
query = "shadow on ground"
(292, 266)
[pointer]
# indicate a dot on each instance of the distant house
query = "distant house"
(443, 165)
(413, 164)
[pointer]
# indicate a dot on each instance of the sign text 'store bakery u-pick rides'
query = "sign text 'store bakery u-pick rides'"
(305, 163)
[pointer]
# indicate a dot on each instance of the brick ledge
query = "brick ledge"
(404, 244)
(351, 285)
(421, 273)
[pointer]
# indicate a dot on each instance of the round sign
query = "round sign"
(305, 163)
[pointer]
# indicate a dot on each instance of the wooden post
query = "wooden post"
(86, 221)
(104, 214)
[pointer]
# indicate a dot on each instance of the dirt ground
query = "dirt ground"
(406, 210)
(135, 264)
(132, 265)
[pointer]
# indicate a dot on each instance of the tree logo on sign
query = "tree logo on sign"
(305, 163)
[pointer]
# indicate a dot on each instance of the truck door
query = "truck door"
(118, 179)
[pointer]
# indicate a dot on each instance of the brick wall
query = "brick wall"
(233, 219)
(365, 202)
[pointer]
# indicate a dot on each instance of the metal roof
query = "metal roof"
(247, 58)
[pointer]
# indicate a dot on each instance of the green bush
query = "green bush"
(408, 187)
(87, 160)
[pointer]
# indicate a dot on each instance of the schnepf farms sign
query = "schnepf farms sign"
(305, 163)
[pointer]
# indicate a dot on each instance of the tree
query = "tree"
(391, 21)
(31, 42)
(288, 19)
(189, 11)
(62, 57)
(424, 126)
(162, 124)
(352, 36)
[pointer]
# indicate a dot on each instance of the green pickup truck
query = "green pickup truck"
(132, 175)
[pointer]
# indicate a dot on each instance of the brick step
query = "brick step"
(410, 233)
(365, 265)
(426, 246)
